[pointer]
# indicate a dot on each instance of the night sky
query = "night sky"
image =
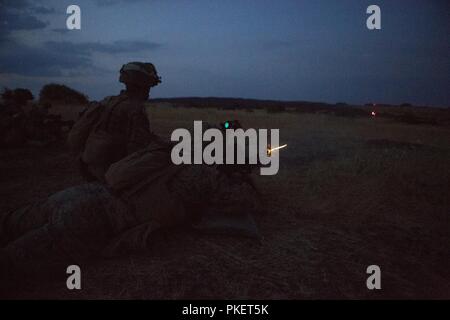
(289, 50)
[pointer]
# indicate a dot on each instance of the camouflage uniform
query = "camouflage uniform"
(123, 128)
(88, 221)
(67, 228)
(141, 192)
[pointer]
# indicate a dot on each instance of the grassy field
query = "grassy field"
(351, 192)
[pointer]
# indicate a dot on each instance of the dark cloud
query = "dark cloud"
(24, 5)
(43, 10)
(56, 58)
(18, 15)
(51, 58)
(61, 30)
(31, 61)
(15, 21)
(86, 48)
(17, 4)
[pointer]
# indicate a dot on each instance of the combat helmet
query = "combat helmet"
(141, 74)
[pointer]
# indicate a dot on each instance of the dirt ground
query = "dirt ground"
(350, 193)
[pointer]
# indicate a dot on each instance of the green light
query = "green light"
(226, 124)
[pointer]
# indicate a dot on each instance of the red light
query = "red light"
(373, 113)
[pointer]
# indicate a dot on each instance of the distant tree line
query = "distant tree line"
(20, 95)
(50, 93)
(61, 94)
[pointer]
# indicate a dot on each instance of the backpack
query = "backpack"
(104, 146)
(86, 139)
(80, 131)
